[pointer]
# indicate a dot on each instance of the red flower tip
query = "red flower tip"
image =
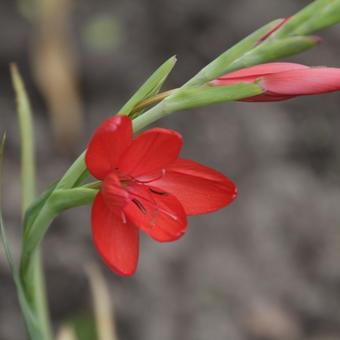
(282, 81)
(277, 27)
(146, 187)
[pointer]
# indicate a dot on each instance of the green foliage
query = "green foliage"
(30, 320)
(208, 95)
(318, 15)
(327, 16)
(84, 325)
(27, 139)
(152, 85)
(32, 289)
(219, 66)
(274, 50)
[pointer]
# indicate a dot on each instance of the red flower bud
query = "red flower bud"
(282, 81)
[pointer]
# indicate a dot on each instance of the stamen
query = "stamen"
(124, 219)
(157, 192)
(163, 171)
(157, 208)
(139, 205)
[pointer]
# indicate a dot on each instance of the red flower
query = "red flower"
(282, 81)
(146, 186)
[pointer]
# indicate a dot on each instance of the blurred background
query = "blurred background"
(265, 268)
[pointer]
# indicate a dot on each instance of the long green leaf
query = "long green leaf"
(30, 321)
(326, 17)
(196, 97)
(150, 87)
(208, 95)
(274, 50)
(34, 289)
(33, 210)
(317, 10)
(27, 139)
(219, 65)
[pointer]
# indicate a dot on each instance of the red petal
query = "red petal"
(152, 150)
(309, 81)
(158, 213)
(198, 188)
(267, 97)
(107, 144)
(116, 241)
(113, 192)
(250, 74)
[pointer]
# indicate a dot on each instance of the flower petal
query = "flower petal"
(267, 97)
(198, 188)
(313, 80)
(251, 74)
(152, 150)
(107, 144)
(158, 213)
(114, 193)
(117, 241)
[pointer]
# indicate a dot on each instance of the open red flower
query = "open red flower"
(146, 186)
(282, 81)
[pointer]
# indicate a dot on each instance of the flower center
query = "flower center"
(114, 191)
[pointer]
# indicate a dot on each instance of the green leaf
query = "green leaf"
(33, 211)
(318, 10)
(186, 98)
(82, 177)
(328, 16)
(220, 65)
(27, 139)
(150, 87)
(34, 288)
(30, 320)
(63, 199)
(208, 95)
(274, 50)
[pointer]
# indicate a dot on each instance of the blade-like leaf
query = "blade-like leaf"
(187, 98)
(34, 289)
(328, 16)
(30, 321)
(219, 65)
(323, 11)
(27, 139)
(33, 211)
(150, 87)
(274, 50)
(209, 95)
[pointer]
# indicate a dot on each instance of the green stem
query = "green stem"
(40, 296)
(187, 98)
